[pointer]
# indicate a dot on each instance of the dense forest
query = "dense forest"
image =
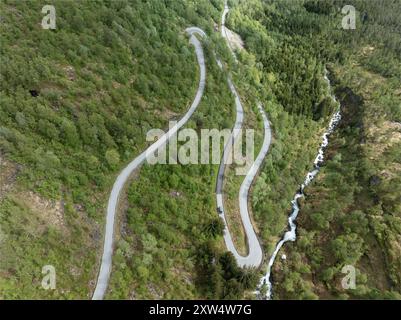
(351, 214)
(76, 104)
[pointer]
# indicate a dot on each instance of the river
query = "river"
(291, 234)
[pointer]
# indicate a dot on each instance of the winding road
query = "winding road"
(255, 253)
(224, 30)
(106, 263)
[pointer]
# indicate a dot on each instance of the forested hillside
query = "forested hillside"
(288, 75)
(351, 214)
(76, 104)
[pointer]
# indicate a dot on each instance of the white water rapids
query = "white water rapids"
(291, 235)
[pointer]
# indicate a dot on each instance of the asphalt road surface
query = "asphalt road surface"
(255, 253)
(105, 268)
